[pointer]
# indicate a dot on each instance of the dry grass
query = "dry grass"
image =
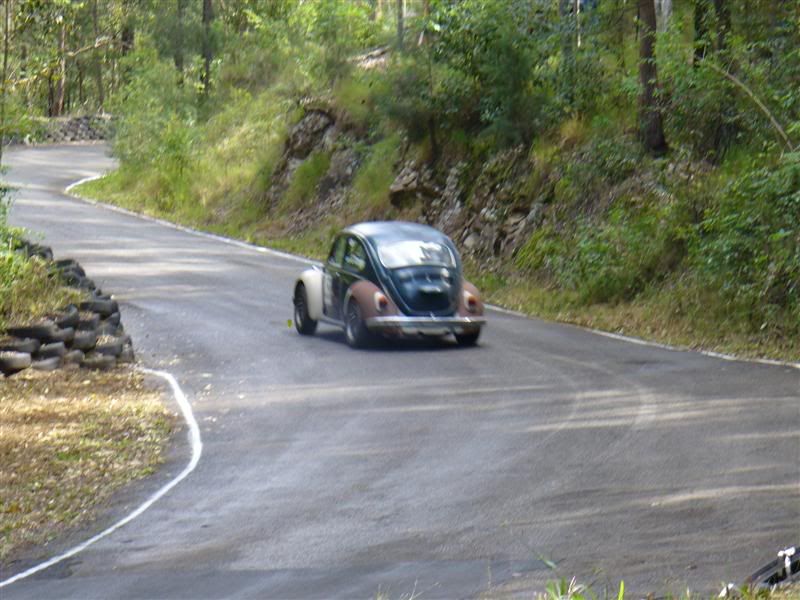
(68, 440)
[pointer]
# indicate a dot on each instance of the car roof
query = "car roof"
(397, 231)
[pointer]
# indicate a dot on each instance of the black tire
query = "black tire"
(84, 339)
(468, 339)
(99, 362)
(27, 345)
(304, 324)
(70, 264)
(355, 329)
(113, 318)
(12, 362)
(47, 364)
(90, 323)
(73, 357)
(44, 332)
(105, 308)
(68, 317)
(111, 347)
(56, 349)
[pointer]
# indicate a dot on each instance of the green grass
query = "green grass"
(369, 198)
(303, 187)
(29, 290)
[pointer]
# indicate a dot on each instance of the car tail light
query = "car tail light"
(470, 301)
(381, 301)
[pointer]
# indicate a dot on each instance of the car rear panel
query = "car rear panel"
(426, 290)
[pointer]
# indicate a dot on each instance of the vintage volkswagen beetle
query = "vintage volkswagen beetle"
(391, 279)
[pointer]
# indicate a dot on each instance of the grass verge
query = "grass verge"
(68, 440)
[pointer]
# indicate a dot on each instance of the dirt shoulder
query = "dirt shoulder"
(68, 441)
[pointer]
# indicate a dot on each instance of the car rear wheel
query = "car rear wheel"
(468, 338)
(304, 324)
(355, 330)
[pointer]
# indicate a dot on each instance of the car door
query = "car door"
(331, 282)
(356, 265)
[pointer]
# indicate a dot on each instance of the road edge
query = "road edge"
(196, 444)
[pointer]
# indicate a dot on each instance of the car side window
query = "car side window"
(337, 252)
(356, 257)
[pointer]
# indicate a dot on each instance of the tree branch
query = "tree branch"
(755, 99)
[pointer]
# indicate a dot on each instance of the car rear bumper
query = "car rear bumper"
(425, 325)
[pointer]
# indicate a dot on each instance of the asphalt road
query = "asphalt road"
(424, 469)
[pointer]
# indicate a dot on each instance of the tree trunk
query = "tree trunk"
(208, 51)
(61, 81)
(650, 123)
(567, 79)
(663, 14)
(3, 93)
(98, 60)
(723, 11)
(700, 30)
(400, 23)
(179, 40)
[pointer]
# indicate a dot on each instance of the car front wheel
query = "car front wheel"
(355, 330)
(304, 324)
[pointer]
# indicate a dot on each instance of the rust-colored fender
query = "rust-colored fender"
(466, 286)
(364, 293)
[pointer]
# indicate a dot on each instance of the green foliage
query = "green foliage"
(153, 109)
(27, 287)
(748, 248)
(604, 161)
(339, 28)
(637, 244)
(370, 192)
(303, 186)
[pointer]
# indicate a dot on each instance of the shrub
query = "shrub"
(304, 182)
(636, 244)
(748, 248)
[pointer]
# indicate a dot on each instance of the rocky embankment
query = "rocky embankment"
(485, 208)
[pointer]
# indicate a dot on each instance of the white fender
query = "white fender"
(312, 280)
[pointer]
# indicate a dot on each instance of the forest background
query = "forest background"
(631, 165)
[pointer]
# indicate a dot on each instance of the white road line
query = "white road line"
(197, 450)
(498, 309)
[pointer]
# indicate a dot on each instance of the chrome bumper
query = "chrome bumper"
(426, 325)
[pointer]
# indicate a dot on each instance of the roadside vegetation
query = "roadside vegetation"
(653, 156)
(68, 441)
(28, 289)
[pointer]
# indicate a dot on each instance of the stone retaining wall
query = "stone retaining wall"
(68, 129)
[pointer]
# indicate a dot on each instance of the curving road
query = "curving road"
(329, 472)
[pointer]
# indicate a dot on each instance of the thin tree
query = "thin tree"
(98, 59)
(57, 106)
(181, 6)
(6, 34)
(650, 121)
(208, 51)
(400, 23)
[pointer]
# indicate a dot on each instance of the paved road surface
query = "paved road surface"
(329, 472)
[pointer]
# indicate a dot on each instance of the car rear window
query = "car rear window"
(410, 253)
